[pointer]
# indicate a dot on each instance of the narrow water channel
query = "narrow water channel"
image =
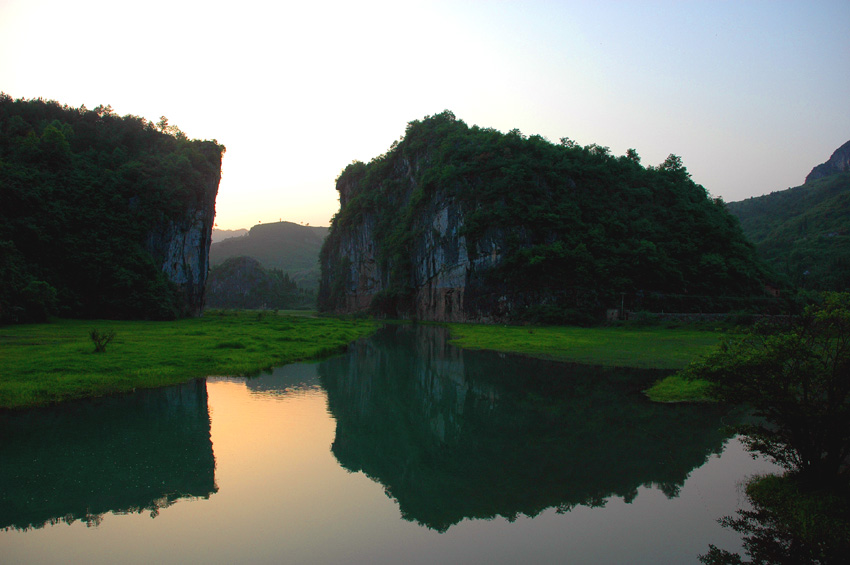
(403, 450)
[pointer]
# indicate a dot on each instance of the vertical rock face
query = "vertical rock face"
(182, 249)
(839, 162)
(440, 268)
(447, 272)
(181, 246)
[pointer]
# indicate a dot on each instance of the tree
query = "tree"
(673, 163)
(797, 378)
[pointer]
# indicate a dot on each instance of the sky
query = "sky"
(752, 95)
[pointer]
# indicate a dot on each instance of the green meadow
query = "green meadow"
(650, 348)
(47, 363)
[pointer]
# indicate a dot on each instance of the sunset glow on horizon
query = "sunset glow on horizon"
(751, 95)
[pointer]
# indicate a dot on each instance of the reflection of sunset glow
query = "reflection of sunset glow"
(747, 94)
(246, 432)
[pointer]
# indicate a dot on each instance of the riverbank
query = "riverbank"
(648, 348)
(54, 362)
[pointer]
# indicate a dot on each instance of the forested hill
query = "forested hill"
(101, 215)
(804, 232)
(468, 223)
(286, 246)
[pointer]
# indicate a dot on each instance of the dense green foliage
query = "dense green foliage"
(242, 282)
(803, 232)
(80, 193)
(584, 230)
(796, 376)
(289, 247)
(44, 363)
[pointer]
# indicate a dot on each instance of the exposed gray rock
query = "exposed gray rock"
(181, 247)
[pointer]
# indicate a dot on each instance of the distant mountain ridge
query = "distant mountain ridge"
(287, 246)
(804, 232)
(221, 235)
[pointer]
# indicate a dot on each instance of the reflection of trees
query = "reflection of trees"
(788, 525)
(122, 454)
(457, 434)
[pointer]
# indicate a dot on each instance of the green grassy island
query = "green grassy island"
(53, 362)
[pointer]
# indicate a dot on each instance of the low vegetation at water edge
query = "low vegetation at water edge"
(46, 363)
(649, 348)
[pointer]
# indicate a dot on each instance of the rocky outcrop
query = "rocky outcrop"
(182, 249)
(467, 224)
(839, 162)
(446, 270)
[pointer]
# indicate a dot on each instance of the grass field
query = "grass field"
(656, 348)
(45, 363)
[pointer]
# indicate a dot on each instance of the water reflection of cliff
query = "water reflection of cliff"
(457, 434)
(121, 454)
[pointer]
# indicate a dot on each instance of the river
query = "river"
(403, 450)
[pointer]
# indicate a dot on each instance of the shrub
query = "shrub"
(101, 339)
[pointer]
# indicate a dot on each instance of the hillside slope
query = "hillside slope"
(463, 223)
(803, 232)
(289, 247)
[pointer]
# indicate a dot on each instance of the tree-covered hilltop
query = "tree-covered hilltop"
(505, 226)
(101, 215)
(290, 247)
(242, 282)
(804, 232)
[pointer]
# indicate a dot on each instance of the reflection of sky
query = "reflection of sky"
(283, 498)
(279, 381)
(752, 94)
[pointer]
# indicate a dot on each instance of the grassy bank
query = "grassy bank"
(45, 363)
(653, 348)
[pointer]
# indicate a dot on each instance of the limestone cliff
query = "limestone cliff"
(468, 224)
(181, 248)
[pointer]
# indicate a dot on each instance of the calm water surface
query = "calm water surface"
(404, 450)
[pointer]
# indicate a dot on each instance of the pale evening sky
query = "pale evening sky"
(751, 95)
